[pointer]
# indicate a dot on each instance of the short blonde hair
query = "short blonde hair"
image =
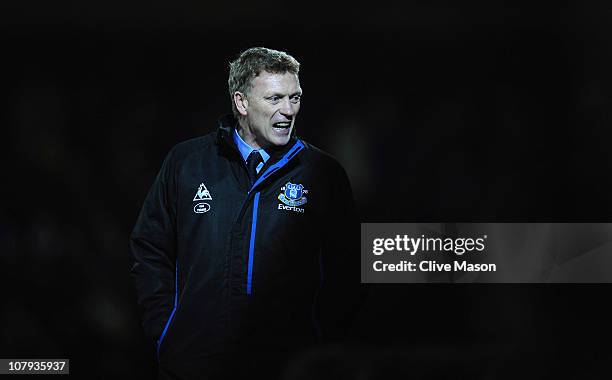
(251, 62)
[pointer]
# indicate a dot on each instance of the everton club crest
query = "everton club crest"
(292, 194)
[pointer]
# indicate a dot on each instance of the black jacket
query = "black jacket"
(220, 267)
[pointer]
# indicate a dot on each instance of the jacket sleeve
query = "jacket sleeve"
(153, 253)
(342, 293)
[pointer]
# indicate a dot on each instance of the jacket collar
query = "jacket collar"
(279, 156)
(225, 128)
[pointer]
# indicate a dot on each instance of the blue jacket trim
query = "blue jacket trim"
(163, 334)
(252, 245)
(295, 149)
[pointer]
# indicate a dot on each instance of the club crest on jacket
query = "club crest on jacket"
(292, 194)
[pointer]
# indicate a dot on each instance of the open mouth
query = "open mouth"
(282, 125)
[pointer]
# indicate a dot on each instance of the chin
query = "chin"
(280, 140)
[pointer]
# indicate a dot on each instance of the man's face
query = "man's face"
(271, 107)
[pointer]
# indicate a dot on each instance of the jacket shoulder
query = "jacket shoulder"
(320, 158)
(194, 146)
(183, 153)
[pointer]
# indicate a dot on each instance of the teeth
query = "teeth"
(282, 125)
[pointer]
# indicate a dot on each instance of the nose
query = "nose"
(286, 108)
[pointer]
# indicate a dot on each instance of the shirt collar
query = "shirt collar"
(245, 149)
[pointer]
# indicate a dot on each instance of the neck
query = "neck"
(247, 135)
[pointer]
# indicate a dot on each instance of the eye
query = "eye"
(296, 99)
(273, 98)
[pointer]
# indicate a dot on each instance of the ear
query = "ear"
(241, 102)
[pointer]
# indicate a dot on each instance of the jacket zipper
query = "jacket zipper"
(252, 245)
(298, 146)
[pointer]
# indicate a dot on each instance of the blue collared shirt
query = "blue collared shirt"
(245, 149)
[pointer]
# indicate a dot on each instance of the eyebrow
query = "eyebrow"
(283, 95)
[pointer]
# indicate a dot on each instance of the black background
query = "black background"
(484, 111)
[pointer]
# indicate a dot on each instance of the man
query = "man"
(245, 248)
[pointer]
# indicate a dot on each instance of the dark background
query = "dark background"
(484, 111)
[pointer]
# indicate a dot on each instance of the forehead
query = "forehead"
(283, 83)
